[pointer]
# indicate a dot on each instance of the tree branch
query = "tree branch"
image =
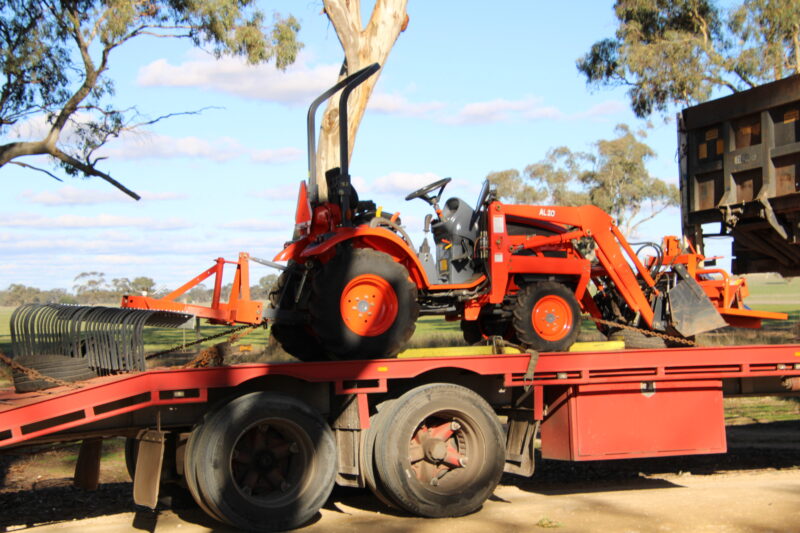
(347, 29)
(91, 171)
(25, 165)
(170, 115)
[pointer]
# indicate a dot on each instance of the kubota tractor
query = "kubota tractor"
(355, 285)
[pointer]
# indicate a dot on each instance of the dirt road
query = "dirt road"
(753, 488)
(732, 502)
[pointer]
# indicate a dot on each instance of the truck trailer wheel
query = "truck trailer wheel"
(264, 462)
(547, 317)
(441, 452)
(376, 424)
(190, 473)
(363, 305)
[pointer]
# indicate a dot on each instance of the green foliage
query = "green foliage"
(55, 56)
(613, 177)
(679, 51)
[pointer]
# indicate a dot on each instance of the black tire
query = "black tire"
(478, 331)
(190, 473)
(636, 340)
(264, 462)
(296, 339)
(471, 330)
(70, 369)
(377, 422)
(349, 281)
(547, 317)
(408, 469)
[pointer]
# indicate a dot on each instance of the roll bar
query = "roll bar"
(348, 84)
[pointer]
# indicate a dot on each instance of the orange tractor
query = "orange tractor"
(355, 285)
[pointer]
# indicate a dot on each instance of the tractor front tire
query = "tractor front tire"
(547, 317)
(363, 305)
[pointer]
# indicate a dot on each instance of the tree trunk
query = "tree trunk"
(362, 47)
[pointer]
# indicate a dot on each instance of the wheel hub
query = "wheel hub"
(551, 317)
(368, 305)
(437, 449)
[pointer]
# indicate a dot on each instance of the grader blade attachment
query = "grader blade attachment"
(110, 338)
(691, 312)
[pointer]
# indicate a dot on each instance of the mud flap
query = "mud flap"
(691, 312)
(148, 467)
(520, 443)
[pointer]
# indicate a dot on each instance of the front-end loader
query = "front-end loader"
(354, 284)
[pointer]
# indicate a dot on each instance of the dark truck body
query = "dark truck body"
(740, 168)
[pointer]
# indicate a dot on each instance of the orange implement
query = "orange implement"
(238, 309)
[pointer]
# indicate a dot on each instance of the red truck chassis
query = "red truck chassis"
(587, 406)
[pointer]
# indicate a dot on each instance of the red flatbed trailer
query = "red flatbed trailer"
(266, 441)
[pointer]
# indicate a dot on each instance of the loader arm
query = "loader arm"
(614, 254)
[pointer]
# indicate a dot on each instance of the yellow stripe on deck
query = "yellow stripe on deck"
(466, 351)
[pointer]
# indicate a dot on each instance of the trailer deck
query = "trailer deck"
(30, 416)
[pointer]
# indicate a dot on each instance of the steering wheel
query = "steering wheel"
(423, 192)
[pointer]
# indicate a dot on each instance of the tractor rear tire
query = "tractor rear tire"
(547, 317)
(61, 367)
(295, 339)
(363, 305)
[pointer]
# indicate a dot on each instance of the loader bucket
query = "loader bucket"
(110, 338)
(691, 312)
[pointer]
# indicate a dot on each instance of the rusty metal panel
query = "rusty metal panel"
(640, 419)
(740, 175)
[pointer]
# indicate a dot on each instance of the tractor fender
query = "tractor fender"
(379, 239)
(292, 251)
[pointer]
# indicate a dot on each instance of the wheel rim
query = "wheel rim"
(271, 462)
(551, 317)
(441, 450)
(368, 305)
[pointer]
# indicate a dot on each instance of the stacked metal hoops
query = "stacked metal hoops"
(110, 338)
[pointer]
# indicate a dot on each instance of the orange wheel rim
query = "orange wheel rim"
(368, 305)
(552, 318)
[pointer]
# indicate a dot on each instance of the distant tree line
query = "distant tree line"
(92, 288)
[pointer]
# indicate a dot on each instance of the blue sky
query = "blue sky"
(467, 90)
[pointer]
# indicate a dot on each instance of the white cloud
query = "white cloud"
(397, 182)
(90, 222)
(148, 145)
(71, 196)
(144, 144)
(298, 84)
(502, 110)
(609, 107)
(395, 104)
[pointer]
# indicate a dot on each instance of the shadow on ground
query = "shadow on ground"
(774, 445)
